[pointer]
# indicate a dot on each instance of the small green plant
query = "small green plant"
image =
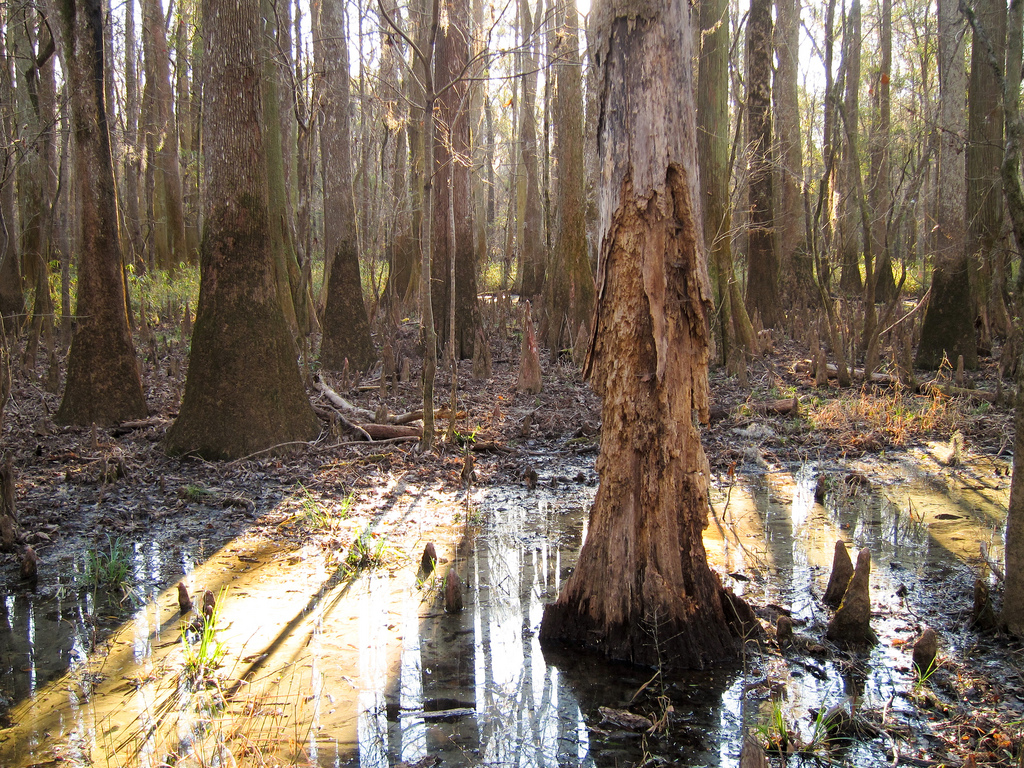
(110, 567)
(922, 676)
(315, 514)
(773, 732)
(202, 650)
(367, 551)
(197, 493)
(463, 438)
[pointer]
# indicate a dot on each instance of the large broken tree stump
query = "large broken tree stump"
(842, 572)
(851, 624)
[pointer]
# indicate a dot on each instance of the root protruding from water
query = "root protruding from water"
(842, 572)
(851, 624)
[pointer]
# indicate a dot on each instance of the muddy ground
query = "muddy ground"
(80, 490)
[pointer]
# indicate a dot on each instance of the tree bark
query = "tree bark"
(240, 334)
(642, 590)
(346, 326)
(103, 384)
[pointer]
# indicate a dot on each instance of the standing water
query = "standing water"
(320, 665)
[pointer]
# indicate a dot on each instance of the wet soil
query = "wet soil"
(336, 647)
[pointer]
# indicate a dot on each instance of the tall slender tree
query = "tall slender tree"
(166, 209)
(453, 285)
(762, 262)
(948, 328)
(848, 224)
(985, 237)
(642, 590)
(569, 287)
(737, 334)
(883, 287)
(794, 271)
(244, 392)
(12, 298)
(346, 325)
(103, 384)
(531, 245)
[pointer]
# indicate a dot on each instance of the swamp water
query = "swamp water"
(320, 668)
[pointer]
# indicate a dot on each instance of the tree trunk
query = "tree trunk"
(103, 384)
(1013, 594)
(795, 266)
(132, 166)
(531, 245)
(848, 225)
(12, 297)
(36, 171)
(345, 324)
(713, 153)
(642, 590)
(569, 286)
(451, 157)
(244, 392)
(762, 262)
(948, 328)
(167, 210)
(985, 241)
(282, 238)
(881, 185)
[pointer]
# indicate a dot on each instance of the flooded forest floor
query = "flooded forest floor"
(330, 644)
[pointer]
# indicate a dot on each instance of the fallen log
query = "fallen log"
(343, 405)
(388, 431)
(768, 408)
(935, 389)
(354, 412)
(805, 366)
